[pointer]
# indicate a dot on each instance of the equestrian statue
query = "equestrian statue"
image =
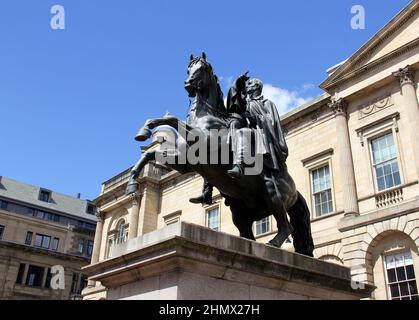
(248, 127)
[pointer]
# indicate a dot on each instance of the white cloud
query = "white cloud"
(285, 100)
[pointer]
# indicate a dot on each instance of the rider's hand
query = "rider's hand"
(241, 81)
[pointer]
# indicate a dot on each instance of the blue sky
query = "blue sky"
(72, 100)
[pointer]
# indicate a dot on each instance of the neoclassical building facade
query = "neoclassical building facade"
(354, 155)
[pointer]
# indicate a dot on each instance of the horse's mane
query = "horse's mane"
(210, 69)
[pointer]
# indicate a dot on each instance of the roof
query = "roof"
(29, 194)
(337, 72)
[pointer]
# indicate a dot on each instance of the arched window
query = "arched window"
(120, 236)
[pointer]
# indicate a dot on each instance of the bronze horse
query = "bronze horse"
(251, 198)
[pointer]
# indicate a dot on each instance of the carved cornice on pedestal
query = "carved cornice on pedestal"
(405, 75)
(339, 106)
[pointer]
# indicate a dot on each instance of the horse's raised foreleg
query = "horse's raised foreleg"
(146, 131)
(153, 155)
(132, 186)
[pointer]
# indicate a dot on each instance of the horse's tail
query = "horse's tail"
(300, 221)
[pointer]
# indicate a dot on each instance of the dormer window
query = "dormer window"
(44, 195)
(90, 209)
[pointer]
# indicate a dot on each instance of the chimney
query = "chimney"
(78, 195)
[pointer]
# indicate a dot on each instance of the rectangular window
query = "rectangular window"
(4, 205)
(74, 283)
(213, 219)
(385, 162)
(44, 195)
(42, 241)
(20, 273)
(89, 248)
(81, 246)
(34, 277)
(263, 226)
(28, 240)
(322, 191)
(401, 278)
(48, 279)
(1, 232)
(55, 243)
(90, 209)
(83, 283)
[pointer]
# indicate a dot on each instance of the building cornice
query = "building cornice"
(372, 65)
(368, 49)
(55, 254)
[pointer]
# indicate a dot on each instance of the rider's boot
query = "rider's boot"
(206, 196)
(237, 171)
(241, 147)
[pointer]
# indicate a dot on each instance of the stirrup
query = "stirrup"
(236, 172)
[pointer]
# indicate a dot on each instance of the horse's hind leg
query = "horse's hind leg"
(242, 221)
(280, 215)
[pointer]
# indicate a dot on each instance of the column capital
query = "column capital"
(405, 75)
(338, 106)
(135, 197)
(99, 215)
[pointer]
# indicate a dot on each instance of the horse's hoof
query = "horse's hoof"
(143, 135)
(273, 244)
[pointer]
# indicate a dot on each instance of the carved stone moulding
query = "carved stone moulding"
(376, 106)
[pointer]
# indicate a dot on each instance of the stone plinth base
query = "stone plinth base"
(189, 262)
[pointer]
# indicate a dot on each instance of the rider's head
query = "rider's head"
(254, 87)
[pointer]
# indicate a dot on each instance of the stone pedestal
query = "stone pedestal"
(189, 262)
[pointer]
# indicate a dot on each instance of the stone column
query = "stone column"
(411, 107)
(97, 243)
(134, 216)
(346, 166)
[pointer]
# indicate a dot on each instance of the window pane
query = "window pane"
(394, 288)
(385, 162)
(35, 275)
(322, 194)
(38, 240)
(81, 246)
(413, 287)
(28, 240)
(89, 248)
(213, 219)
(55, 244)
(404, 290)
(391, 275)
(45, 242)
(20, 273)
(262, 226)
(48, 279)
(410, 272)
